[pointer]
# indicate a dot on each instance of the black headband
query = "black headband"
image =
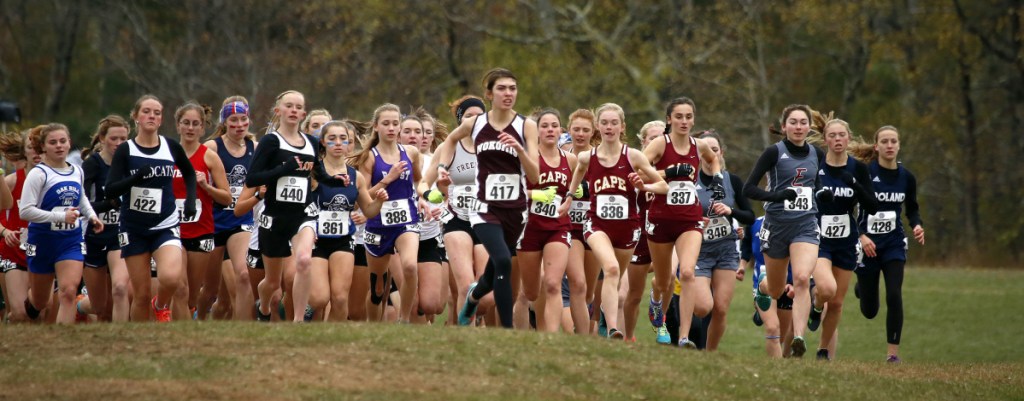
(465, 105)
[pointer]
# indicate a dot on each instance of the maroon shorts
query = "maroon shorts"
(535, 240)
(623, 233)
(668, 231)
(577, 234)
(512, 222)
(642, 253)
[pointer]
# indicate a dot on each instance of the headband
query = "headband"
(465, 105)
(233, 108)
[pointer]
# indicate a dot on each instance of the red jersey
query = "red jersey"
(545, 216)
(203, 222)
(681, 203)
(12, 221)
(612, 197)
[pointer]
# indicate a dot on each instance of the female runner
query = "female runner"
(141, 173)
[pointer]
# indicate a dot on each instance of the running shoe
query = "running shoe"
(799, 347)
(893, 359)
(763, 301)
(823, 355)
(163, 315)
(615, 334)
(814, 319)
(856, 289)
(757, 319)
(655, 313)
(663, 336)
(468, 311)
(685, 343)
(308, 316)
(80, 317)
(195, 313)
(602, 326)
(260, 317)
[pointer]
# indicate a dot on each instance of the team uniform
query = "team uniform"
(787, 222)
(894, 189)
(578, 210)
(142, 177)
(718, 249)
(784, 302)
(838, 225)
(196, 232)
(47, 196)
(288, 206)
(462, 192)
(97, 245)
(613, 209)
(431, 249)
(543, 225)
(14, 256)
(398, 214)
(642, 252)
(679, 210)
(500, 179)
(334, 227)
(253, 259)
(225, 223)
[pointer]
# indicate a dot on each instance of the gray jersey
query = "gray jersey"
(795, 173)
(462, 193)
(719, 228)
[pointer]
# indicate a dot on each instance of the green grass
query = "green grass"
(960, 342)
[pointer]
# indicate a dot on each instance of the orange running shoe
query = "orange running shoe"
(162, 315)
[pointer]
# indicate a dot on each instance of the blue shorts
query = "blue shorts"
(844, 257)
(776, 237)
(43, 257)
(96, 249)
(148, 242)
(883, 255)
(720, 255)
(380, 241)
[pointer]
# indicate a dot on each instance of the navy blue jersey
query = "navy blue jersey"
(836, 219)
(236, 169)
(96, 171)
(149, 204)
(400, 208)
(892, 188)
(336, 204)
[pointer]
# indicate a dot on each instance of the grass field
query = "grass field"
(961, 341)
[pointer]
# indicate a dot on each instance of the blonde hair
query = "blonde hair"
(440, 129)
(618, 110)
(650, 124)
(318, 112)
(586, 114)
(275, 120)
(108, 122)
(368, 134)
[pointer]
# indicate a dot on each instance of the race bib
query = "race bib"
(681, 193)
(113, 216)
(394, 213)
(62, 226)
(333, 223)
(235, 193)
(446, 215)
(546, 209)
(266, 221)
(145, 200)
(180, 205)
(371, 238)
(763, 235)
(292, 189)
(578, 211)
(612, 207)
(464, 198)
(718, 228)
(835, 226)
(882, 222)
(501, 187)
(802, 203)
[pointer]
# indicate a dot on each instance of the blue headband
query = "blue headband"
(233, 108)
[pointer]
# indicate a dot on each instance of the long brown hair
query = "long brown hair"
(12, 145)
(588, 115)
(866, 152)
(108, 122)
(369, 135)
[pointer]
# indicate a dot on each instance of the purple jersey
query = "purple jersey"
(400, 208)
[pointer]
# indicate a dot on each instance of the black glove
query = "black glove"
(290, 164)
(679, 170)
(788, 194)
(824, 195)
(190, 210)
(717, 188)
(848, 179)
(105, 206)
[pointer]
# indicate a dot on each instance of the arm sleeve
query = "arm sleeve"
(817, 177)
(118, 180)
(261, 171)
(321, 175)
(742, 212)
(90, 172)
(85, 207)
(34, 182)
(863, 189)
(912, 209)
(765, 162)
(746, 244)
(187, 171)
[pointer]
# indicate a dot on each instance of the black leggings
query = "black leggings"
(497, 275)
(868, 282)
